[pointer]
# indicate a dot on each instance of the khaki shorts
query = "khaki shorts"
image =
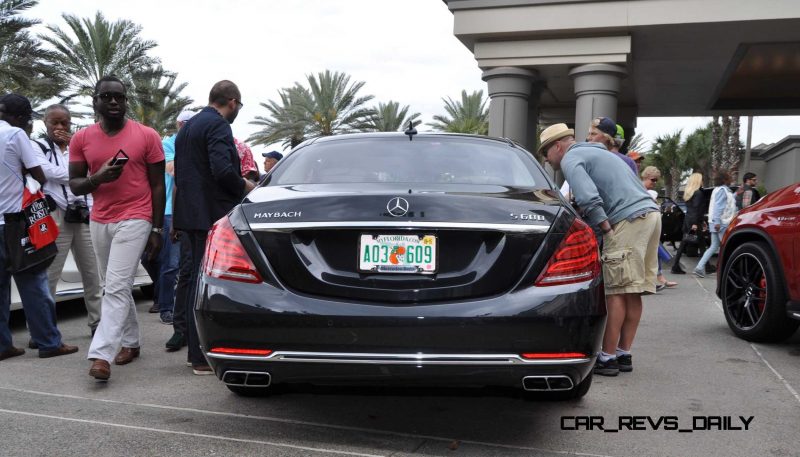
(630, 256)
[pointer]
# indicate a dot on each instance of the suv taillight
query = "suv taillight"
(576, 259)
(225, 256)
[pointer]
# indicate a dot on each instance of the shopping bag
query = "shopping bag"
(42, 228)
(30, 235)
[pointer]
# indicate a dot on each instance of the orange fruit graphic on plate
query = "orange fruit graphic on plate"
(396, 251)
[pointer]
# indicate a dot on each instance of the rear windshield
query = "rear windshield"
(398, 160)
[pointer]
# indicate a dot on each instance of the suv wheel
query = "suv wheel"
(753, 296)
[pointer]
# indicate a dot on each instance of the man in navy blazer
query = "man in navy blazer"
(208, 184)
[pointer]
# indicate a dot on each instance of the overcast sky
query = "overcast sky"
(404, 50)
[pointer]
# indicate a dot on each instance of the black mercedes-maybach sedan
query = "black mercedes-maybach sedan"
(403, 259)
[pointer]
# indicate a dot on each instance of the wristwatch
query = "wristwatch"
(158, 230)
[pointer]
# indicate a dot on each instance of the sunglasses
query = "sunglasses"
(106, 97)
(238, 102)
(654, 180)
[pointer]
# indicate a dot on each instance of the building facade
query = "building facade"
(548, 61)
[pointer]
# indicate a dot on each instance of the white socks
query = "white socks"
(606, 357)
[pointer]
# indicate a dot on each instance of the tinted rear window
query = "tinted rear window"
(423, 160)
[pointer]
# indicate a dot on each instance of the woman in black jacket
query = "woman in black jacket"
(693, 222)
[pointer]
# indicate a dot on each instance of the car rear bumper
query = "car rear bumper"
(476, 370)
(465, 343)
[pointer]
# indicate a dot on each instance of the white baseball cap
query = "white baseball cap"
(185, 115)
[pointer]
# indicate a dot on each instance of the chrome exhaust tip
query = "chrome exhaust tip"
(547, 383)
(247, 378)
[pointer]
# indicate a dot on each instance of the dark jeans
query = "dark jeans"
(193, 242)
(37, 302)
(164, 270)
(184, 282)
(701, 245)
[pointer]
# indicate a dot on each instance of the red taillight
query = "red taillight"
(225, 256)
(576, 259)
(238, 351)
(553, 355)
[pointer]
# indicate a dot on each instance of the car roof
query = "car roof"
(375, 135)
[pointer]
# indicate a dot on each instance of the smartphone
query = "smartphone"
(120, 158)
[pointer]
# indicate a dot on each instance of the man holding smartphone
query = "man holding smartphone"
(121, 163)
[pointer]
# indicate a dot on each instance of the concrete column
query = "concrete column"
(509, 92)
(596, 90)
(533, 117)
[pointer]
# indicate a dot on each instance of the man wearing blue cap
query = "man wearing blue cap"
(270, 159)
(605, 131)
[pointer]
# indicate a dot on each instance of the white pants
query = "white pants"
(76, 237)
(118, 247)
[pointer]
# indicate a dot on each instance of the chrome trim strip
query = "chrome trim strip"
(397, 359)
(281, 226)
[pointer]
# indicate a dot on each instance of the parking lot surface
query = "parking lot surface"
(695, 390)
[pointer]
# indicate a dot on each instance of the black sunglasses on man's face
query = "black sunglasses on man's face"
(106, 97)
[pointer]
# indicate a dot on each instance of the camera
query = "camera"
(77, 211)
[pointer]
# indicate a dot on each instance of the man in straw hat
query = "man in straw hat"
(612, 200)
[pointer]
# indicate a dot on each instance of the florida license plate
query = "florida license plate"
(397, 253)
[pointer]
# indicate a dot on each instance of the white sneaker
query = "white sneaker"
(202, 370)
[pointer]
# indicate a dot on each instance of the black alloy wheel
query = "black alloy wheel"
(753, 296)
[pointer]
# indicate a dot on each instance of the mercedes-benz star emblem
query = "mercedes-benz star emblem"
(397, 206)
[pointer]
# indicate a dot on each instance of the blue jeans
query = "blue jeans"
(37, 302)
(164, 270)
(713, 249)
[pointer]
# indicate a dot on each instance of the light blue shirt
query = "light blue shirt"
(603, 185)
(169, 180)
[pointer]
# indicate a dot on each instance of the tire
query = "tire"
(251, 392)
(576, 393)
(753, 296)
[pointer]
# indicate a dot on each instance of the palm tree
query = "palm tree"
(25, 67)
(637, 144)
(470, 115)
(697, 151)
(286, 121)
(329, 105)
(334, 106)
(156, 101)
(389, 117)
(667, 156)
(100, 48)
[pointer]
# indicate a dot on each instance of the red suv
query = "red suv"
(758, 274)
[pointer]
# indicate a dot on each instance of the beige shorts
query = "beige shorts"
(630, 255)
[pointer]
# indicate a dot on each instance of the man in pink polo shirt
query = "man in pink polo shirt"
(121, 163)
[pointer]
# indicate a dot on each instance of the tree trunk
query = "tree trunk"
(734, 151)
(716, 149)
(674, 182)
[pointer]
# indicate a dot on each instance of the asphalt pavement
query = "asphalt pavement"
(695, 390)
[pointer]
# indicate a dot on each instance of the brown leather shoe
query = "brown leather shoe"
(11, 352)
(63, 350)
(100, 370)
(126, 355)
